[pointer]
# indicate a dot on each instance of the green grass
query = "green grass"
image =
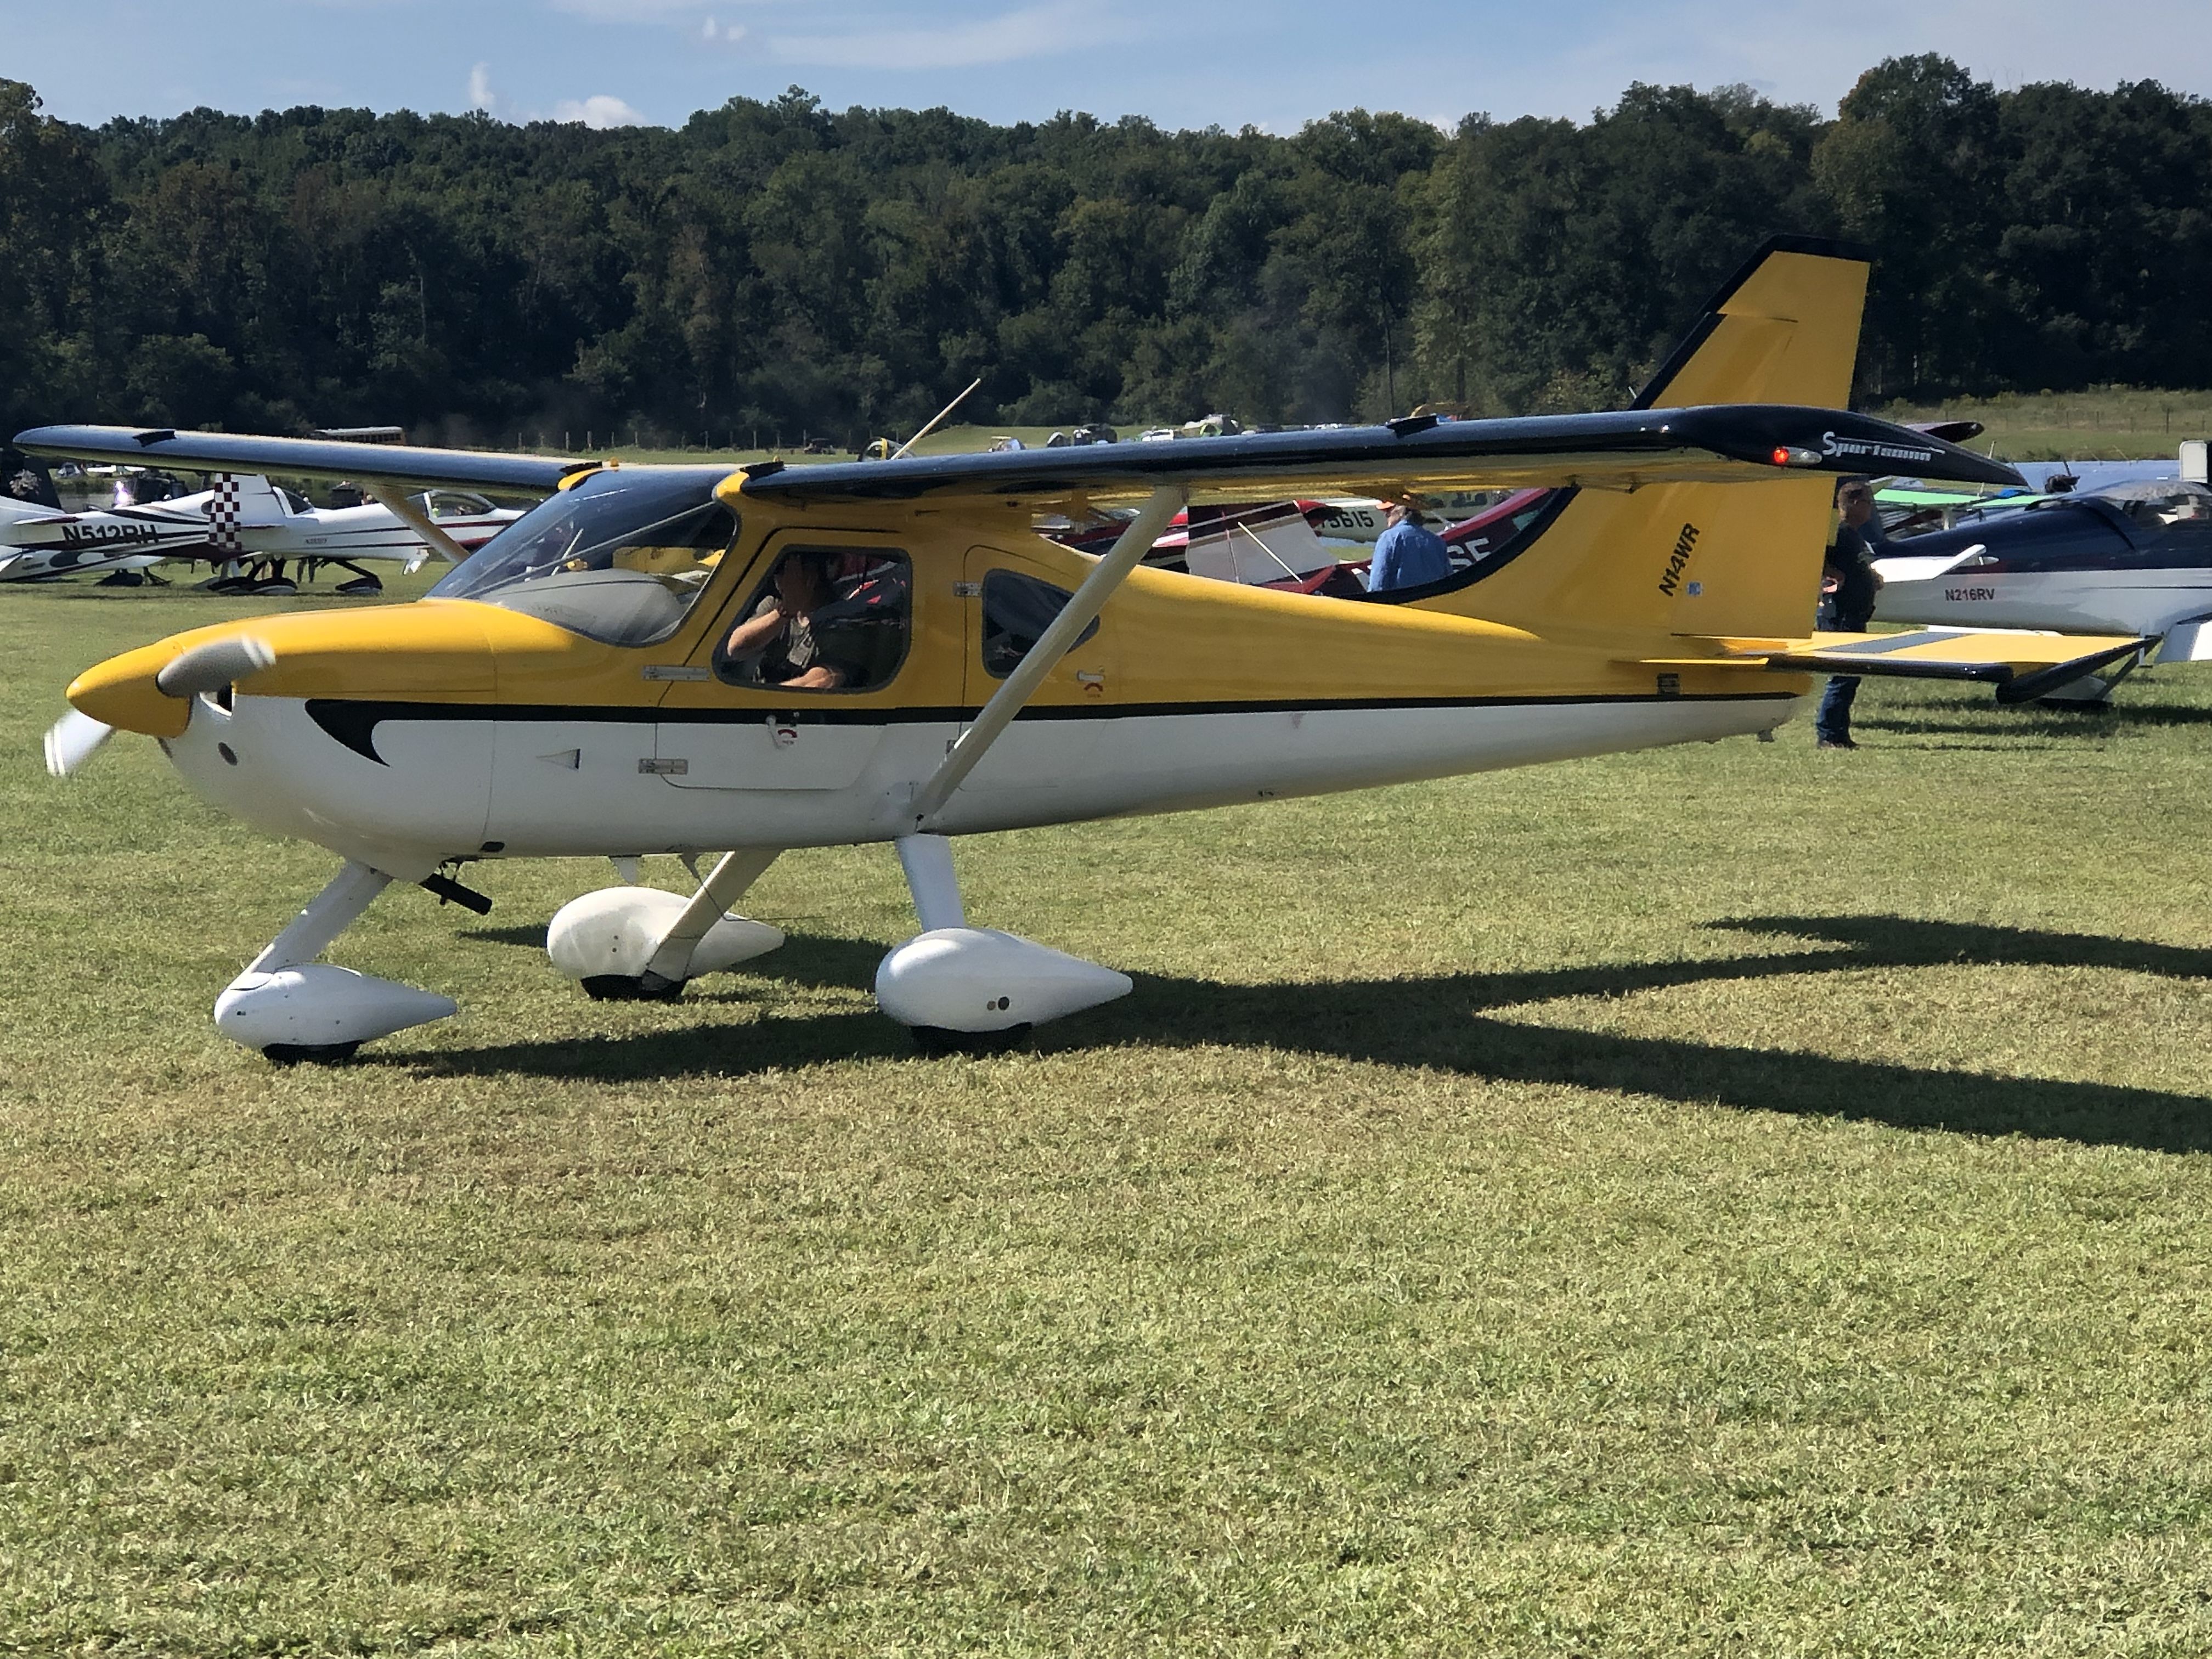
(1736, 1200)
(2106, 423)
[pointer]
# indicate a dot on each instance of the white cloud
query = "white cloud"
(481, 96)
(1040, 31)
(599, 112)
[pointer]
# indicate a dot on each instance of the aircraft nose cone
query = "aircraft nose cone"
(121, 691)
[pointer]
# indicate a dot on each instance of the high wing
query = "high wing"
(1721, 443)
(1626, 449)
(224, 452)
(2022, 666)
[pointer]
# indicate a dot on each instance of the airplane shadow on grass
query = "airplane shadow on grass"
(1440, 1022)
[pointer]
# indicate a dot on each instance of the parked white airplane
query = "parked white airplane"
(250, 525)
(2133, 559)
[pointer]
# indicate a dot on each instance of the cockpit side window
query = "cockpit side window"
(454, 504)
(827, 619)
(620, 558)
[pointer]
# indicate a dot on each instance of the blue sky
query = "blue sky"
(1229, 61)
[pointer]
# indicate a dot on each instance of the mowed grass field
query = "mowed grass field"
(2106, 424)
(1733, 1200)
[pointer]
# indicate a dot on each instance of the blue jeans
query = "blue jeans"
(1833, 723)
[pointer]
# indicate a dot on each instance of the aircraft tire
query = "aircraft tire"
(628, 987)
(310, 1053)
(2076, 705)
(935, 1041)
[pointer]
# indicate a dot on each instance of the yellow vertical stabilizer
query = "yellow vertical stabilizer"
(1710, 559)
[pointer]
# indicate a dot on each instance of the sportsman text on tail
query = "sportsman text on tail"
(243, 519)
(706, 662)
(2135, 559)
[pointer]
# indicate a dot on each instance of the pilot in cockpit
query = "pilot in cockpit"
(833, 620)
(780, 638)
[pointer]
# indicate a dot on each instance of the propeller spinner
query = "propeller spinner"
(76, 736)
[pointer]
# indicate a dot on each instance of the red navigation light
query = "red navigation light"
(1781, 456)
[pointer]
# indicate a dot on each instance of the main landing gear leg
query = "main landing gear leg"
(631, 943)
(293, 1008)
(976, 990)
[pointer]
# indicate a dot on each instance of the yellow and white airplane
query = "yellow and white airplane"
(702, 661)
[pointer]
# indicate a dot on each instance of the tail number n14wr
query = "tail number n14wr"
(1679, 560)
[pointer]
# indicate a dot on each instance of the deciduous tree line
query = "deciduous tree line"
(777, 267)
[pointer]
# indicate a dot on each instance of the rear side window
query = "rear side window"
(1016, 609)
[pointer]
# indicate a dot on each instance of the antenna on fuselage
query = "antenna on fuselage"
(938, 420)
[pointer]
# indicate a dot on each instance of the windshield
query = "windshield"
(618, 558)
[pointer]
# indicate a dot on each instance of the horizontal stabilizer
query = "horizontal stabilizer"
(2022, 666)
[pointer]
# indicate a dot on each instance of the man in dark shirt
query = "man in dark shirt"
(1857, 543)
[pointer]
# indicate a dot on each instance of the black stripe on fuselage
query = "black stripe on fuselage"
(353, 722)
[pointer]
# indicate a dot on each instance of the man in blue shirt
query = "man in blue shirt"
(1407, 554)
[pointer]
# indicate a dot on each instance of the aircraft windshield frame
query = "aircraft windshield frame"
(620, 557)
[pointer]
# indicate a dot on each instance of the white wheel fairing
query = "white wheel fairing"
(977, 979)
(617, 930)
(317, 1005)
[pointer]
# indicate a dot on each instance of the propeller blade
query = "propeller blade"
(72, 740)
(212, 666)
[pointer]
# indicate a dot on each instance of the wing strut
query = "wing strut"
(1077, 614)
(724, 884)
(389, 497)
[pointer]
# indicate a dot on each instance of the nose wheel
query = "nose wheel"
(310, 1053)
(936, 1043)
(296, 1010)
